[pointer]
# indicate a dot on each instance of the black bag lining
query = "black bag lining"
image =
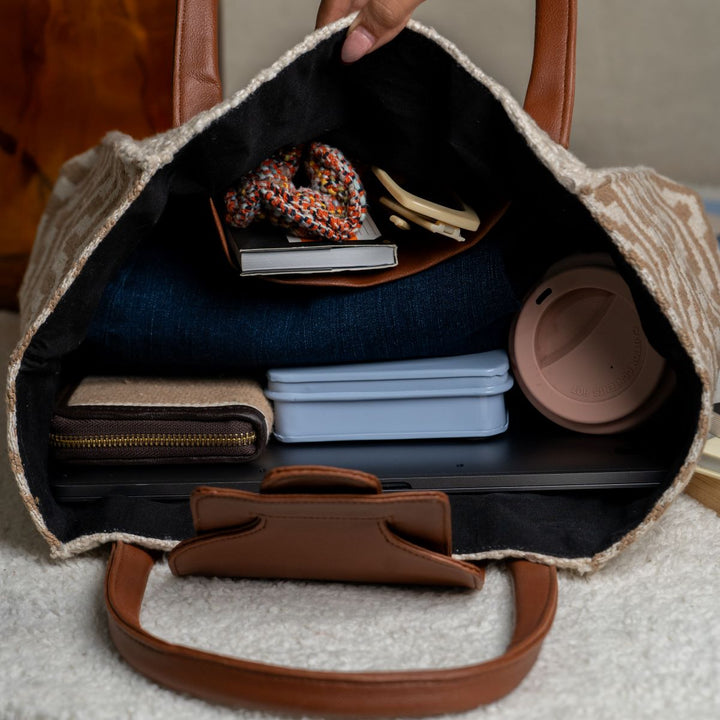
(412, 108)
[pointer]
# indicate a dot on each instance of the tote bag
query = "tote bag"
(110, 199)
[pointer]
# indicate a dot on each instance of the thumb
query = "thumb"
(376, 24)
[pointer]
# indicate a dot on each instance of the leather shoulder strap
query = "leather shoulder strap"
(550, 94)
(196, 73)
(236, 682)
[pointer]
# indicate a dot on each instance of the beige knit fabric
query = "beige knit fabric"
(657, 225)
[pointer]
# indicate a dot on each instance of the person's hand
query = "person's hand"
(378, 22)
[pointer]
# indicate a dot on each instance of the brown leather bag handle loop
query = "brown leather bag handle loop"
(196, 73)
(390, 694)
(550, 94)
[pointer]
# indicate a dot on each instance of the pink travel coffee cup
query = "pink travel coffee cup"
(579, 353)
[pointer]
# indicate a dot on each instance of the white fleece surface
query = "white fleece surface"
(640, 639)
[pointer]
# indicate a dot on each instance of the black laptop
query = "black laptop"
(533, 457)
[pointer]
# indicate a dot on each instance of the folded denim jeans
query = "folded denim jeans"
(172, 307)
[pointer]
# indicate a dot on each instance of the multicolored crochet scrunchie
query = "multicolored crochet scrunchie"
(333, 207)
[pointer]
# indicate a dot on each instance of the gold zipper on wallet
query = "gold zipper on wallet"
(152, 440)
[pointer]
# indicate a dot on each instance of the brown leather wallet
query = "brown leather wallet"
(152, 420)
(323, 523)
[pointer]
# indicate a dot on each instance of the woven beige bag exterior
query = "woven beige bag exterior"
(658, 226)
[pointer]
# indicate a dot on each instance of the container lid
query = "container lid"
(580, 354)
(492, 364)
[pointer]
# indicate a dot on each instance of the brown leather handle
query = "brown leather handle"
(239, 682)
(196, 73)
(550, 94)
(324, 523)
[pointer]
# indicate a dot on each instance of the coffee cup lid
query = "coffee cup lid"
(580, 354)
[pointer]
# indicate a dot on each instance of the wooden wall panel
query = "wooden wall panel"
(70, 70)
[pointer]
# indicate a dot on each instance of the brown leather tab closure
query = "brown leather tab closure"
(381, 538)
(319, 478)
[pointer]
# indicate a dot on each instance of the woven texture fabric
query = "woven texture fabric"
(657, 226)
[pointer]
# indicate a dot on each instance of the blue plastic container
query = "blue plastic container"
(449, 397)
